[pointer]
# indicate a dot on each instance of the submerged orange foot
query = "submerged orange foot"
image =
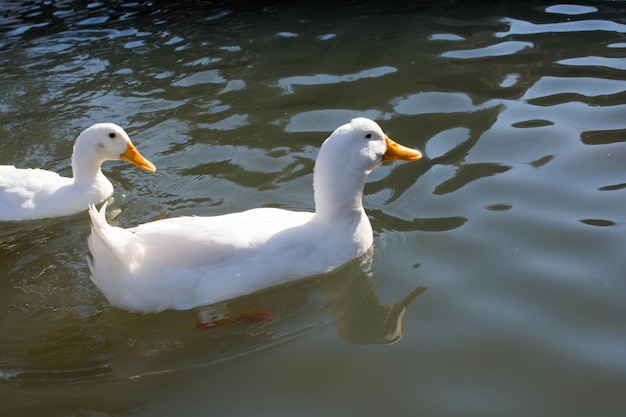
(253, 317)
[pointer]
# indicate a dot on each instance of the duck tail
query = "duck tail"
(96, 240)
(100, 241)
(98, 218)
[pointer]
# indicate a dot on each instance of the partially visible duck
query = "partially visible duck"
(27, 194)
(185, 262)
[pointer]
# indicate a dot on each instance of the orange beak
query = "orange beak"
(397, 152)
(133, 156)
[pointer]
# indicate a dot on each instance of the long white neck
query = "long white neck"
(338, 188)
(85, 165)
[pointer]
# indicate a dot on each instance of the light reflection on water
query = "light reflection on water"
(513, 221)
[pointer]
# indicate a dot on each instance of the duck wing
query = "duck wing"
(19, 183)
(21, 188)
(192, 241)
(195, 241)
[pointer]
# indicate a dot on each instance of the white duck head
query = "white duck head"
(102, 142)
(345, 160)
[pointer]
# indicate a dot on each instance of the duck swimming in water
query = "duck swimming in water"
(27, 194)
(186, 262)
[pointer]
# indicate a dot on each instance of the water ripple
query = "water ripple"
(500, 49)
(433, 102)
(570, 9)
(521, 27)
(586, 86)
(203, 77)
(288, 83)
(595, 61)
(325, 120)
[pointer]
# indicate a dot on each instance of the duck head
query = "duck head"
(106, 141)
(346, 158)
(363, 144)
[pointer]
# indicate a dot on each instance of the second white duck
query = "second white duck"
(27, 194)
(186, 262)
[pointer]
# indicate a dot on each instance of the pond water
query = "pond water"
(497, 281)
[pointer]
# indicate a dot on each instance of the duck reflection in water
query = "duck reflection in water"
(346, 298)
(358, 314)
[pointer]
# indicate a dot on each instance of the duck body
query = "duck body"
(186, 262)
(28, 194)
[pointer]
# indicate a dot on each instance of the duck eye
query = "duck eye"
(368, 136)
(111, 135)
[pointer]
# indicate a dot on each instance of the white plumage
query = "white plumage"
(27, 194)
(185, 262)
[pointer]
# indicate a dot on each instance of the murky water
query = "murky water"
(497, 285)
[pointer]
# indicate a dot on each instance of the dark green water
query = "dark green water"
(497, 284)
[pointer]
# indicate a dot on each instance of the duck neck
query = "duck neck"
(85, 169)
(338, 192)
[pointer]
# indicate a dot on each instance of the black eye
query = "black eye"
(369, 136)
(111, 135)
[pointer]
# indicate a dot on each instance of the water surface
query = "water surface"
(496, 285)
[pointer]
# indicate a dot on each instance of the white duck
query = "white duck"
(27, 194)
(185, 262)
